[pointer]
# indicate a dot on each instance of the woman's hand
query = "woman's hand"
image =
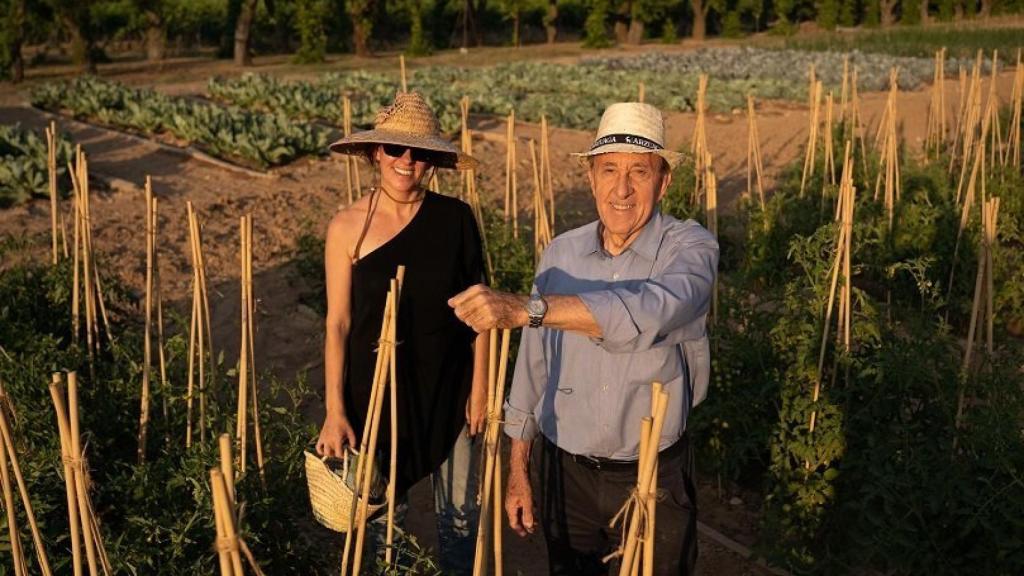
(476, 410)
(335, 435)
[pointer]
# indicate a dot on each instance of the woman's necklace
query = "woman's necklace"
(397, 201)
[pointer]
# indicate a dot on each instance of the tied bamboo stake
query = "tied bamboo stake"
(983, 290)
(147, 352)
(968, 123)
(754, 165)
(829, 153)
(247, 357)
(991, 116)
(1013, 155)
(11, 456)
(158, 291)
(74, 458)
(67, 457)
(699, 144)
(51, 170)
(511, 179)
(368, 444)
(847, 197)
(711, 217)
(637, 526)
(353, 187)
(888, 163)
(812, 134)
(200, 332)
(936, 133)
(490, 490)
(541, 226)
(854, 128)
(546, 179)
(17, 554)
(230, 546)
(470, 194)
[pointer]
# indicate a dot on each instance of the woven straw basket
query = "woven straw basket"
(331, 492)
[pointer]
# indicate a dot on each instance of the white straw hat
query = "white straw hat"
(408, 121)
(631, 127)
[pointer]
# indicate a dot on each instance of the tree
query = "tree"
(310, 16)
(360, 12)
(12, 35)
(152, 12)
(243, 29)
(551, 21)
(700, 16)
(828, 14)
(513, 10)
(888, 12)
(418, 43)
(74, 16)
(595, 32)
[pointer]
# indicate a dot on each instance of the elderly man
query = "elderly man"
(617, 304)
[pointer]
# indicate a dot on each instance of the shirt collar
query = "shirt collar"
(646, 243)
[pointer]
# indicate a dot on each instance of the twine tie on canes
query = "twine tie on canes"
(228, 544)
(638, 502)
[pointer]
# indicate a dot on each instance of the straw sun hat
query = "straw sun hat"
(631, 127)
(408, 121)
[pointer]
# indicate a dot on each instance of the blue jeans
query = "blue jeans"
(455, 505)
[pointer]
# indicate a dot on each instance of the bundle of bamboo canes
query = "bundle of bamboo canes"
(1013, 156)
(85, 530)
(980, 313)
(230, 546)
(200, 341)
(87, 289)
(353, 187)
(9, 463)
(699, 144)
(511, 179)
(469, 191)
(247, 357)
(637, 518)
(968, 123)
(153, 293)
(990, 118)
(937, 116)
(491, 487)
(56, 218)
(888, 162)
(811, 149)
(840, 266)
(542, 234)
(384, 371)
(754, 165)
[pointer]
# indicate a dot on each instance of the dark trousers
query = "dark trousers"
(578, 497)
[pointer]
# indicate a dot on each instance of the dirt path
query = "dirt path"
(301, 199)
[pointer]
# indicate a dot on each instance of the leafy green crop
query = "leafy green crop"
(23, 171)
(248, 138)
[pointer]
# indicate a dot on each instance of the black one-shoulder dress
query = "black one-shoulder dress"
(441, 251)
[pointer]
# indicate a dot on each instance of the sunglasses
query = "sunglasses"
(418, 154)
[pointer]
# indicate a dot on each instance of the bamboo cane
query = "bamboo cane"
(20, 567)
(401, 63)
(511, 181)
(67, 458)
(396, 287)
(203, 332)
(844, 92)
(226, 465)
(699, 144)
(260, 461)
(1013, 155)
(640, 92)
(75, 282)
(227, 536)
(965, 211)
(711, 217)
(546, 178)
(242, 409)
(830, 160)
(649, 459)
(51, 170)
(81, 482)
(754, 165)
(812, 135)
(652, 497)
(161, 356)
(147, 353)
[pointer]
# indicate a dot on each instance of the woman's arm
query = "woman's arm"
(336, 431)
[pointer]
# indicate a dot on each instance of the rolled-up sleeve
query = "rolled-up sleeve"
(527, 387)
(638, 314)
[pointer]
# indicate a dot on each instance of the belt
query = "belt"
(611, 464)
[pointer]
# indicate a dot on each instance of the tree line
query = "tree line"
(89, 32)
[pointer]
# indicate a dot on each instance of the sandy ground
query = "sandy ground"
(301, 198)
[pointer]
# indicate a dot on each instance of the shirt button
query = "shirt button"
(615, 276)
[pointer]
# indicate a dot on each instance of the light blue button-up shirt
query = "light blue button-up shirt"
(588, 395)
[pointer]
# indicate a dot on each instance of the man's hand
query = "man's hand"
(482, 309)
(519, 495)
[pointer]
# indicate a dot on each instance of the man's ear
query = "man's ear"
(590, 176)
(666, 179)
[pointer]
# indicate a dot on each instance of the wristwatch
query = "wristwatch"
(536, 308)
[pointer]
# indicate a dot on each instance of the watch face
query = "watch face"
(536, 306)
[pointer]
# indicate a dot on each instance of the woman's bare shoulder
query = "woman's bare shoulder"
(347, 219)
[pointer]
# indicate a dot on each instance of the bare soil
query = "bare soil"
(302, 197)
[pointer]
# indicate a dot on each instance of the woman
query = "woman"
(441, 364)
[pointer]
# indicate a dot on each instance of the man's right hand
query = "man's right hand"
(335, 435)
(519, 495)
